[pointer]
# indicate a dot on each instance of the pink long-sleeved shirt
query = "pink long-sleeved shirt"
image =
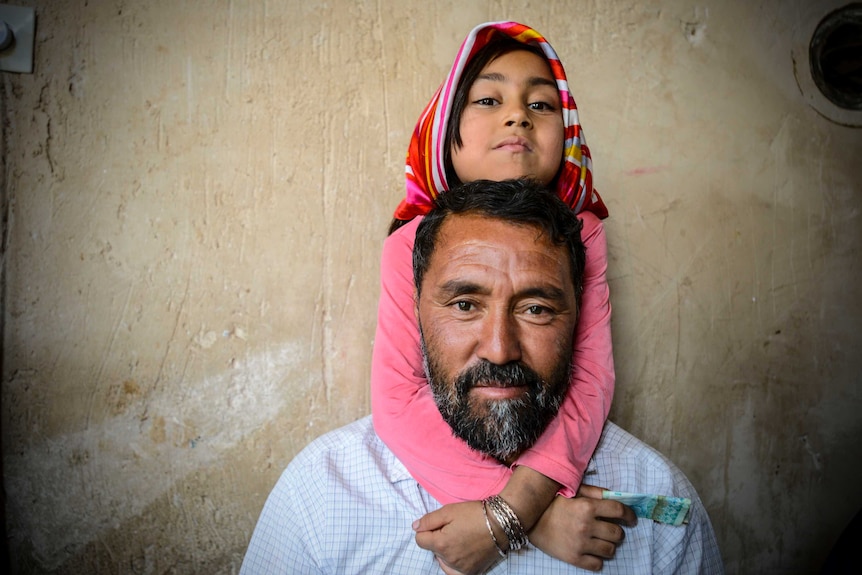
(406, 416)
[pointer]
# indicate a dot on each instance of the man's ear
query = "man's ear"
(416, 303)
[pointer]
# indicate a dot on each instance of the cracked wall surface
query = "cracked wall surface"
(194, 201)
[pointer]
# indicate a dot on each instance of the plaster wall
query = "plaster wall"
(194, 200)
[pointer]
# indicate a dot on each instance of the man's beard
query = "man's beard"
(501, 428)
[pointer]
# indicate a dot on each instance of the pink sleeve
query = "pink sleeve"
(564, 449)
(406, 417)
(403, 409)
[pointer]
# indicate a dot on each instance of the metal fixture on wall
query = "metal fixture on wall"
(836, 57)
(17, 37)
(827, 62)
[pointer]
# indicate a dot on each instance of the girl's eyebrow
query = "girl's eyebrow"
(531, 81)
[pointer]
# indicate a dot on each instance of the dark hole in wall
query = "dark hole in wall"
(835, 55)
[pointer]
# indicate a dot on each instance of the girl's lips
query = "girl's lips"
(514, 144)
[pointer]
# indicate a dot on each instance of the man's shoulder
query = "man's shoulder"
(621, 443)
(357, 432)
(340, 506)
(623, 460)
(351, 456)
(349, 445)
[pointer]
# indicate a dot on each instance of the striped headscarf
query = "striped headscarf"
(426, 174)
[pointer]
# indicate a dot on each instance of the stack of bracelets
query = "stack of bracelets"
(507, 519)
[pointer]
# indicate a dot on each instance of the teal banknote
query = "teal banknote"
(661, 508)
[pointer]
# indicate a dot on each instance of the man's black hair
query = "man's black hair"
(521, 202)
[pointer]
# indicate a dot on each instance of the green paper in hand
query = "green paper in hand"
(660, 508)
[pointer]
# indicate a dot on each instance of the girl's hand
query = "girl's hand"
(584, 530)
(457, 535)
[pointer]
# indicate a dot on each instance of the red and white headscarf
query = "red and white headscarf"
(426, 174)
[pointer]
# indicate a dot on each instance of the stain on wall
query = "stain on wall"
(194, 203)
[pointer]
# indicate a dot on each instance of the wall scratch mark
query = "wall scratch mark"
(384, 66)
(106, 356)
(228, 66)
(170, 343)
(815, 457)
(190, 92)
(678, 331)
(329, 214)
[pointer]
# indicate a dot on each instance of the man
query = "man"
(498, 269)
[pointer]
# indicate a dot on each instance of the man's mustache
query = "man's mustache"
(484, 373)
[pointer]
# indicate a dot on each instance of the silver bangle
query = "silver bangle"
(509, 521)
(503, 553)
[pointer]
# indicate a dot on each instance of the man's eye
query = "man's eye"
(464, 306)
(537, 310)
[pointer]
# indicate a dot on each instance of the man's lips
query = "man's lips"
(514, 144)
(497, 391)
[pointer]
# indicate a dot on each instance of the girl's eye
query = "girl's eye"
(542, 106)
(486, 101)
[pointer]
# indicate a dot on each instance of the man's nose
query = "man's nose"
(499, 341)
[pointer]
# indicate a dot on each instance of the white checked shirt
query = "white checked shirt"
(345, 505)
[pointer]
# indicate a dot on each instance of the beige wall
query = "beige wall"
(194, 203)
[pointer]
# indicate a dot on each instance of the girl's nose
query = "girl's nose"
(516, 115)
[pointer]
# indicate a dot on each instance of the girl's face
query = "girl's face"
(512, 125)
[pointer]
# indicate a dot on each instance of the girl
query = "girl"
(504, 111)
